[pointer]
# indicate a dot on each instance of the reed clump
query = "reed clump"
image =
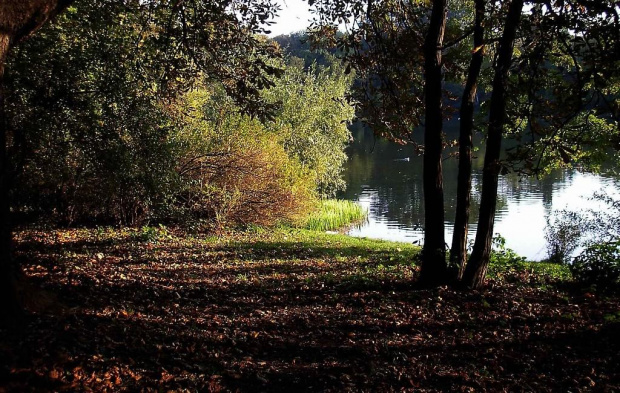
(333, 214)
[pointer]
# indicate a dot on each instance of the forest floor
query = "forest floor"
(286, 310)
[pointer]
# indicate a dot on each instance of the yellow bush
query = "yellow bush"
(254, 185)
(232, 170)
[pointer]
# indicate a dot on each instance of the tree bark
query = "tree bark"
(434, 267)
(476, 269)
(458, 252)
(18, 20)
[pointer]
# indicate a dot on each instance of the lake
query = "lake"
(386, 179)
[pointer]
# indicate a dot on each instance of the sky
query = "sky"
(293, 17)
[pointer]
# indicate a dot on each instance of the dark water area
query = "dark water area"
(386, 178)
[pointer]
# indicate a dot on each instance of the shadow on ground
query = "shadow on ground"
(275, 317)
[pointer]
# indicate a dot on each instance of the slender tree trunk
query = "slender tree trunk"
(9, 305)
(476, 269)
(434, 268)
(458, 252)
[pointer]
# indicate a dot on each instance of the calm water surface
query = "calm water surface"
(386, 179)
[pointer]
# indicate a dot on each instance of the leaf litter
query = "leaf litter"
(260, 312)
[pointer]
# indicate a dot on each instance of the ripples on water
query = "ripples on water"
(390, 188)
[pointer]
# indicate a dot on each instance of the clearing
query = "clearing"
(290, 310)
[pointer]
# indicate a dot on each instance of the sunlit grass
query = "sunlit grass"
(334, 214)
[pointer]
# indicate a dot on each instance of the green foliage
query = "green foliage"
(334, 214)
(563, 109)
(298, 45)
(567, 231)
(598, 265)
(584, 141)
(562, 233)
(505, 263)
(312, 120)
(87, 141)
(594, 230)
(502, 255)
(115, 122)
(229, 168)
(238, 169)
(384, 49)
(151, 234)
(612, 317)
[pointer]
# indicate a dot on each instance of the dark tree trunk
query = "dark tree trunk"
(458, 252)
(434, 267)
(9, 305)
(19, 19)
(476, 269)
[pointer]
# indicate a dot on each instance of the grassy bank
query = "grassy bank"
(291, 310)
(334, 214)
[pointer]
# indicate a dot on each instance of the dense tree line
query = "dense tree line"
(104, 139)
(301, 45)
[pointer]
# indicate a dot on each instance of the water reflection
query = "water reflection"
(387, 179)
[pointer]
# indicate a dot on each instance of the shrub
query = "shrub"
(502, 255)
(312, 120)
(598, 265)
(258, 185)
(85, 119)
(231, 169)
(568, 231)
(563, 233)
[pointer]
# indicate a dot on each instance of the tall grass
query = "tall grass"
(334, 214)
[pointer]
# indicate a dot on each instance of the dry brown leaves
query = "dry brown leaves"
(189, 315)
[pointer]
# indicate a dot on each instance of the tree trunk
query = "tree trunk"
(434, 268)
(476, 269)
(10, 308)
(19, 19)
(458, 252)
